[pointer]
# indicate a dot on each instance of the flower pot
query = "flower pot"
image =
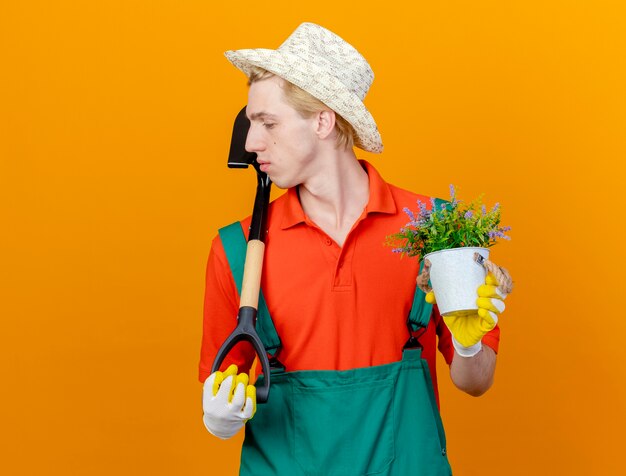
(455, 276)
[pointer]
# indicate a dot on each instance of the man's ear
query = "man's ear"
(325, 123)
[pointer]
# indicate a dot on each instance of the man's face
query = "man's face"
(284, 141)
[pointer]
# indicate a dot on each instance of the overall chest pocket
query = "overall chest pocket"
(345, 429)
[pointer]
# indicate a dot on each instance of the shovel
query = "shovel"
(250, 288)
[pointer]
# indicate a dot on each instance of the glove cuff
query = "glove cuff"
(470, 351)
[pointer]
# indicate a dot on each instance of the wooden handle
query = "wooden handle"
(251, 284)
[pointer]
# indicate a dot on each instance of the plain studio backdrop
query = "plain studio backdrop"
(115, 121)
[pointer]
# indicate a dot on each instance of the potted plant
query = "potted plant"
(453, 238)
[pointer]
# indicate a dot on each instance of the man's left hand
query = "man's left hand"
(469, 327)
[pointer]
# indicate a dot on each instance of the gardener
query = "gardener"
(347, 400)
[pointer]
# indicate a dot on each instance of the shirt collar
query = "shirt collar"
(380, 199)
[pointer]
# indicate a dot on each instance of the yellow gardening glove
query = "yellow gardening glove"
(469, 327)
(228, 402)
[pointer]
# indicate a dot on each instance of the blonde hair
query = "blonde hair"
(307, 105)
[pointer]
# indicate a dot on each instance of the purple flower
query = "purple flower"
(495, 207)
(502, 230)
(468, 214)
(422, 208)
(409, 213)
(498, 234)
(452, 195)
(424, 213)
(406, 249)
(484, 209)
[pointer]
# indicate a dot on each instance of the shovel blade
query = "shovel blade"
(239, 157)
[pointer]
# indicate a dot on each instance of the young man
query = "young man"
(350, 399)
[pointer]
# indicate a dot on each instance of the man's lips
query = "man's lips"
(263, 165)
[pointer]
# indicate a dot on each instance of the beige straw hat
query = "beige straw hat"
(327, 67)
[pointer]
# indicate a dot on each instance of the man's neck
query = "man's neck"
(335, 198)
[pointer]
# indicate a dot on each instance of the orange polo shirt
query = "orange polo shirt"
(334, 308)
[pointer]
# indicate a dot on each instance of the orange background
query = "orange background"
(115, 121)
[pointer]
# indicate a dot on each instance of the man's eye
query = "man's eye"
(268, 125)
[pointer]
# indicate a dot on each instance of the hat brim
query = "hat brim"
(317, 82)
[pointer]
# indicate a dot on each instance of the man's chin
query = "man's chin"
(278, 183)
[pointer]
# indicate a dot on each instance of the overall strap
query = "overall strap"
(419, 317)
(421, 310)
(235, 246)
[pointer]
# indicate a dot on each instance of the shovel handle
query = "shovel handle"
(251, 284)
(245, 331)
(246, 320)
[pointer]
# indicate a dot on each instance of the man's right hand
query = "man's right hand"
(228, 402)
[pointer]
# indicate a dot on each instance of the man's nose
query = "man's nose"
(254, 143)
